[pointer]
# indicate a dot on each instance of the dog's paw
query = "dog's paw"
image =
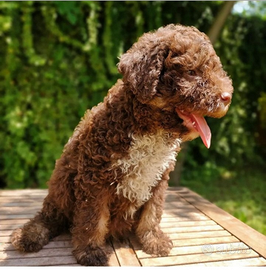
(91, 256)
(27, 241)
(159, 245)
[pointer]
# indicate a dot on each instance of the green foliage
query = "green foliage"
(59, 58)
(262, 110)
(45, 89)
(241, 193)
(251, 8)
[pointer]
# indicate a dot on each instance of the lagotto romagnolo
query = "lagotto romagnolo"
(114, 170)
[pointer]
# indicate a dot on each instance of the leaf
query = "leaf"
(68, 9)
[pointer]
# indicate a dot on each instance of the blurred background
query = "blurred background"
(59, 58)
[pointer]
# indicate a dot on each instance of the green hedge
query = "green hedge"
(59, 58)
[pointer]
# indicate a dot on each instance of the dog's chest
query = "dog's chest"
(149, 156)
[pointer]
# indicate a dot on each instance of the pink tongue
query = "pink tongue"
(203, 129)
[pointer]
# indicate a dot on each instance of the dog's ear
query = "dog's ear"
(141, 67)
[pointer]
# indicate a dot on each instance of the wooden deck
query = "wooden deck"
(202, 234)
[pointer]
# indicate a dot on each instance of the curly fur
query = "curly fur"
(114, 170)
(148, 158)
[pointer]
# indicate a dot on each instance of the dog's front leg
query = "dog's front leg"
(90, 227)
(148, 231)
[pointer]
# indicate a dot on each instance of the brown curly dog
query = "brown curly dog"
(114, 170)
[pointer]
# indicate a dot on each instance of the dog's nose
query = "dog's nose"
(226, 97)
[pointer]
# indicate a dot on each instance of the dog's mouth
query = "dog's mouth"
(196, 123)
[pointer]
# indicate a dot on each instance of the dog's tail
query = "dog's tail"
(36, 233)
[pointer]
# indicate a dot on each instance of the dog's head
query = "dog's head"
(177, 70)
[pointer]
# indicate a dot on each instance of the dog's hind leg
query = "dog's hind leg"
(55, 215)
(36, 233)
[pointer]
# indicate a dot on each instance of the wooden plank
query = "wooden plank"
(21, 200)
(196, 258)
(193, 229)
(183, 211)
(125, 254)
(179, 206)
(8, 227)
(170, 223)
(31, 209)
(13, 254)
(21, 197)
(248, 235)
(113, 261)
(50, 250)
(5, 233)
(56, 247)
(17, 216)
(192, 235)
(184, 217)
(4, 236)
(203, 241)
(21, 204)
(4, 239)
(10, 222)
(44, 261)
(234, 263)
(229, 247)
(199, 236)
(63, 237)
(24, 192)
(52, 244)
(191, 246)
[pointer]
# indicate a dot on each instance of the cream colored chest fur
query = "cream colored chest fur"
(149, 157)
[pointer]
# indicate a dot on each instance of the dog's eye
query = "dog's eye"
(191, 72)
(174, 54)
